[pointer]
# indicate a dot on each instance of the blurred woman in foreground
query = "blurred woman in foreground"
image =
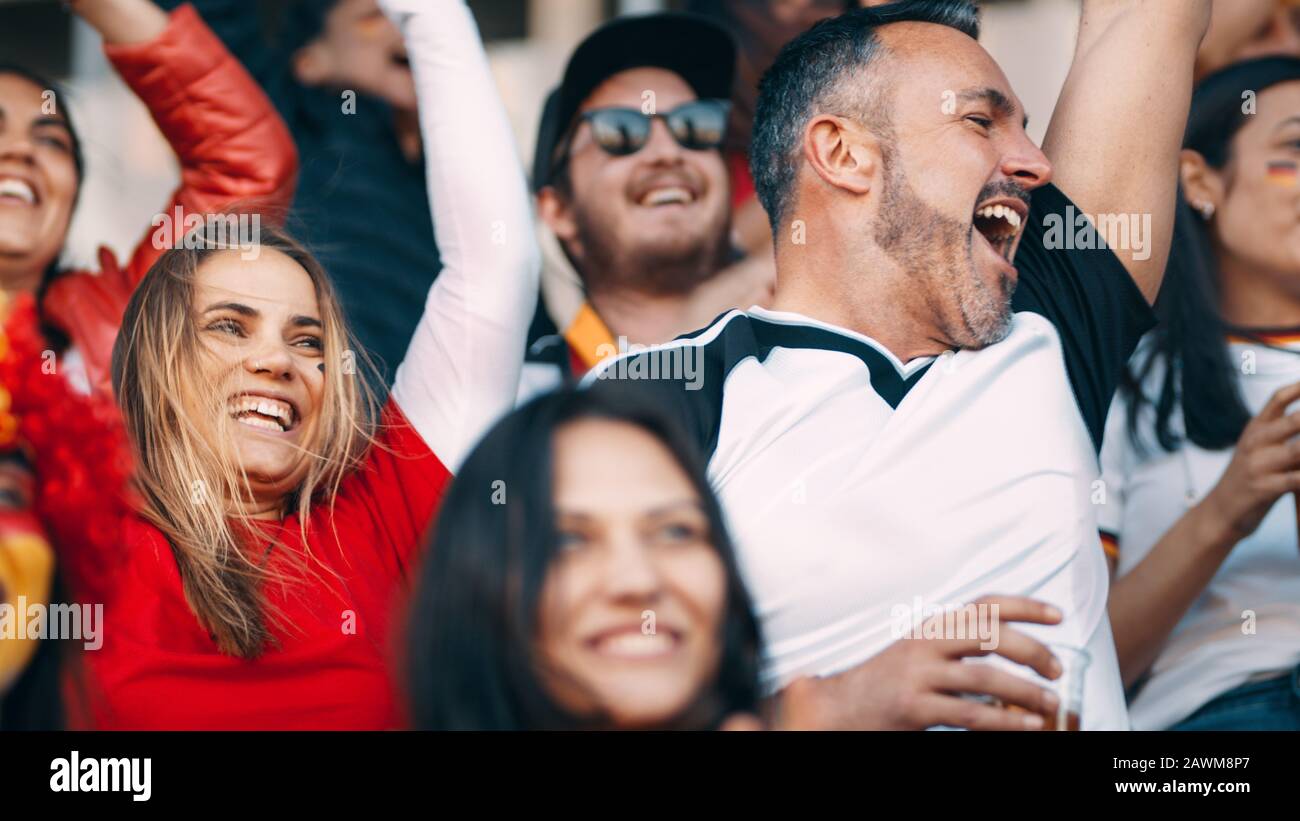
(581, 577)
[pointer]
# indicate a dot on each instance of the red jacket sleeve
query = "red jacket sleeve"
(235, 154)
(234, 150)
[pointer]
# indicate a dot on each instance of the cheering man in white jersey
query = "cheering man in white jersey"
(915, 422)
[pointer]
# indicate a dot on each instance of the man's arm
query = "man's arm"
(234, 150)
(122, 22)
(1236, 23)
(1118, 125)
(461, 371)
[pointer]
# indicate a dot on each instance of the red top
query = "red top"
(157, 667)
(235, 154)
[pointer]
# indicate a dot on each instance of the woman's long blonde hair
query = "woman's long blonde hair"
(193, 488)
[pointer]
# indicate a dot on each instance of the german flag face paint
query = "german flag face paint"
(1282, 173)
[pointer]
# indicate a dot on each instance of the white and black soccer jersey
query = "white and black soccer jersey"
(863, 491)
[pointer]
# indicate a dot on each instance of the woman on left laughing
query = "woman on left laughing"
(249, 574)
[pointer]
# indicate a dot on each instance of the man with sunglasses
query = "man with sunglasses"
(631, 182)
(915, 423)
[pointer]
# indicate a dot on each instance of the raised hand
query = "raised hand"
(122, 21)
(1265, 465)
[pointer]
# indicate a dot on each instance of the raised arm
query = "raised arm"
(233, 148)
(1115, 135)
(1235, 24)
(462, 368)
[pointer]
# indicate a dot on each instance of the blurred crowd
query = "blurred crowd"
(862, 409)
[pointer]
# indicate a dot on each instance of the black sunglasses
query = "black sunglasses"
(699, 125)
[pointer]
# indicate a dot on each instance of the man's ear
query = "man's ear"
(556, 212)
(312, 65)
(1202, 185)
(842, 153)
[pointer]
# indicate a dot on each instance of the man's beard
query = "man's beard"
(937, 252)
(675, 268)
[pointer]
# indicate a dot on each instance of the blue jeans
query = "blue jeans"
(1262, 705)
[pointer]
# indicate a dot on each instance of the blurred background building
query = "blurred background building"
(130, 170)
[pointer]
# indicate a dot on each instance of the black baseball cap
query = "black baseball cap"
(698, 50)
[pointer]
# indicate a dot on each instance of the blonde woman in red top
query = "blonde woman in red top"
(249, 573)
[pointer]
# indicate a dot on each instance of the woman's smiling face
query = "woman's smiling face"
(38, 181)
(632, 607)
(1257, 221)
(260, 324)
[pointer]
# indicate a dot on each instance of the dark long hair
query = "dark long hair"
(473, 625)
(57, 337)
(1190, 342)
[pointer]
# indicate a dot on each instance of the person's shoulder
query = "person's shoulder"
(1068, 272)
(673, 361)
(1057, 230)
(720, 322)
(684, 379)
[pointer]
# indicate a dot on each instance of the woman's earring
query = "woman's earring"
(1207, 210)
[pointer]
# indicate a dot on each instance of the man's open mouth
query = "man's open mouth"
(1000, 222)
(263, 412)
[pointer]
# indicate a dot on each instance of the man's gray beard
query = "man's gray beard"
(646, 270)
(936, 252)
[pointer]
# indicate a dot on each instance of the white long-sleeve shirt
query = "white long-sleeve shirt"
(461, 371)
